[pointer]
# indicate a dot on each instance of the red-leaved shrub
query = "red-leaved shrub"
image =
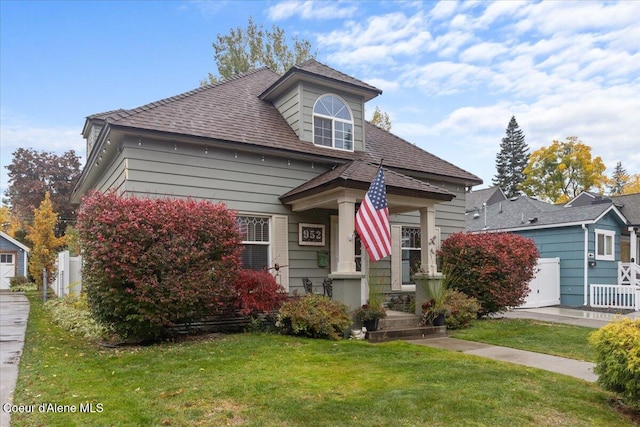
(258, 292)
(494, 268)
(153, 263)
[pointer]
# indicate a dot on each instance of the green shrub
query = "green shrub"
(617, 346)
(315, 316)
(21, 284)
(73, 314)
(462, 309)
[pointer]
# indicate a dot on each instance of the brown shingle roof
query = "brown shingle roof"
(402, 154)
(312, 70)
(229, 111)
(232, 111)
(319, 69)
(359, 174)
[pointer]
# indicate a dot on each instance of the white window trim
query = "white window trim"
(396, 255)
(269, 243)
(278, 245)
(333, 128)
(605, 233)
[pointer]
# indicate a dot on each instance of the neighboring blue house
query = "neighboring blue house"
(13, 259)
(586, 239)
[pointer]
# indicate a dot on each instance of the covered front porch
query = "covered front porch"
(342, 190)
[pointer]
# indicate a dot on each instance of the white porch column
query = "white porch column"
(428, 236)
(346, 237)
(633, 245)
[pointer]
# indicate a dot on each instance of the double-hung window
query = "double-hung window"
(256, 241)
(605, 245)
(332, 123)
(411, 250)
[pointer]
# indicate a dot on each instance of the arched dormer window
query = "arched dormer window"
(332, 123)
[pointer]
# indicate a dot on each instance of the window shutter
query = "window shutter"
(396, 257)
(280, 248)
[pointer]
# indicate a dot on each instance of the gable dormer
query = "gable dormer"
(323, 106)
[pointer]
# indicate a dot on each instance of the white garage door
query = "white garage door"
(7, 269)
(545, 286)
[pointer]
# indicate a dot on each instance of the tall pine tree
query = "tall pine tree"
(511, 160)
(619, 179)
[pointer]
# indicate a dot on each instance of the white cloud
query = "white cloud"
(498, 10)
(383, 84)
(444, 77)
(378, 40)
(483, 52)
(443, 10)
(448, 45)
(558, 17)
(311, 10)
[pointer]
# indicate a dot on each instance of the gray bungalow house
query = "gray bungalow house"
(294, 156)
(585, 240)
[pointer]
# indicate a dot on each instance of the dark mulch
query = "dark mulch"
(631, 413)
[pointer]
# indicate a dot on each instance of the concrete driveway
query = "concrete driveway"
(14, 312)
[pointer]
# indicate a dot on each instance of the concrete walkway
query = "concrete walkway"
(14, 312)
(574, 368)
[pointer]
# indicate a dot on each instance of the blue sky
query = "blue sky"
(452, 73)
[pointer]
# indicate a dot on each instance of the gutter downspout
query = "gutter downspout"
(586, 264)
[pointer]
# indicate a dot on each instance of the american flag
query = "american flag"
(372, 220)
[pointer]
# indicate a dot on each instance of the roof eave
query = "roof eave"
(15, 242)
(295, 75)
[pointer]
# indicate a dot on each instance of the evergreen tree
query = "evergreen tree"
(619, 180)
(511, 160)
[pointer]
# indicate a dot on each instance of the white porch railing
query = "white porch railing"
(628, 273)
(615, 296)
(624, 295)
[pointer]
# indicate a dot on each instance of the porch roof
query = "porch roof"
(358, 175)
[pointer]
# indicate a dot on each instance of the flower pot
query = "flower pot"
(371, 325)
(439, 320)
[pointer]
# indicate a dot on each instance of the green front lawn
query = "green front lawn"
(533, 335)
(271, 380)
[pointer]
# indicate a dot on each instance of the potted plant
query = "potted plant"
(369, 315)
(434, 312)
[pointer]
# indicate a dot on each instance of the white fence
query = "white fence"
(628, 273)
(615, 296)
(68, 278)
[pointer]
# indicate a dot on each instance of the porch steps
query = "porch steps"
(403, 326)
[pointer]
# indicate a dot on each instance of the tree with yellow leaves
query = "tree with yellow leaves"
(563, 170)
(45, 242)
(9, 224)
(381, 119)
(633, 185)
